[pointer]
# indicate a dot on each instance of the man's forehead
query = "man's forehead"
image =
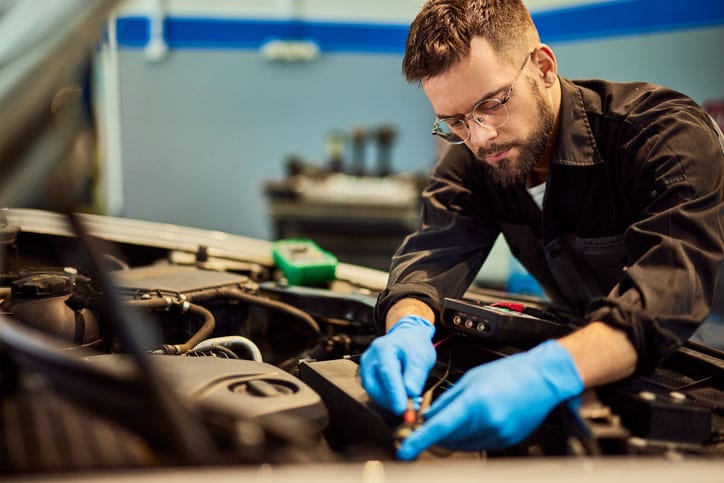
(479, 76)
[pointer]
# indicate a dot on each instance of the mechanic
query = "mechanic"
(610, 194)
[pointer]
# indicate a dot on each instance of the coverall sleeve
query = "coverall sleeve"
(674, 167)
(442, 258)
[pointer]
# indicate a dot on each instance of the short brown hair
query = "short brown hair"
(441, 33)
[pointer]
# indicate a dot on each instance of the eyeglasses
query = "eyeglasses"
(491, 112)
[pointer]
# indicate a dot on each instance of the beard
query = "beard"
(511, 171)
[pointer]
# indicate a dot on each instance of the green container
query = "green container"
(303, 262)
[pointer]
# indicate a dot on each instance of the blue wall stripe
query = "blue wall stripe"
(603, 20)
(626, 17)
(229, 33)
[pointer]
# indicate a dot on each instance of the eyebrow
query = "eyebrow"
(484, 97)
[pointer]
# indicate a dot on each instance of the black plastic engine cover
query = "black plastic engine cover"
(240, 389)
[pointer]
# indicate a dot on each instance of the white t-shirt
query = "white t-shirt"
(537, 193)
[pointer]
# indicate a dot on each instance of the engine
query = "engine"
(147, 355)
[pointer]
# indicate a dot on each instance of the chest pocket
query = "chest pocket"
(570, 269)
(585, 268)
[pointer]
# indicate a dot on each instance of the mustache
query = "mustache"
(492, 149)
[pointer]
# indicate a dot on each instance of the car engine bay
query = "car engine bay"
(117, 353)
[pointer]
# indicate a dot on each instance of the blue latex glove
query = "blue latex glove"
(395, 366)
(496, 405)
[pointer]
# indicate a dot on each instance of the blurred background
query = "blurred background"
(291, 118)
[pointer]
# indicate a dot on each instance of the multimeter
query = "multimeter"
(499, 324)
(303, 262)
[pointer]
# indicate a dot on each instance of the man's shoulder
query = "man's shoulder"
(611, 98)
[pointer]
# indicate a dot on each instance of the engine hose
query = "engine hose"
(231, 342)
(260, 301)
(207, 327)
(273, 304)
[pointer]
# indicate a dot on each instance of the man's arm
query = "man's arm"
(601, 353)
(408, 306)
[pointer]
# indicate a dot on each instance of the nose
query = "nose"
(480, 135)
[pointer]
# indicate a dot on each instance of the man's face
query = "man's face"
(511, 151)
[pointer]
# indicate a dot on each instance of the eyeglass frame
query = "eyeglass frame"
(481, 121)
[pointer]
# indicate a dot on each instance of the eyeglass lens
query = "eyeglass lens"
(491, 112)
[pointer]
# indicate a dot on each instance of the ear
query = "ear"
(545, 61)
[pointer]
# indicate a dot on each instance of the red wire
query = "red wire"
(514, 306)
(443, 340)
